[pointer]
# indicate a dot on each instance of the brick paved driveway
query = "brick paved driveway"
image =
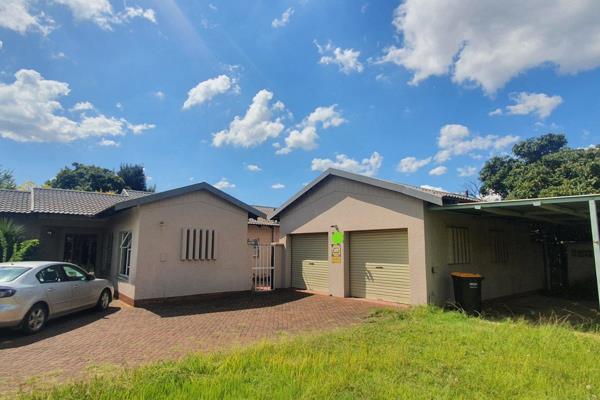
(73, 346)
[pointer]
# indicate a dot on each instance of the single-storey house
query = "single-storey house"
(181, 242)
(351, 235)
(263, 231)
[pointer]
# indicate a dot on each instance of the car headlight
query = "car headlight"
(7, 292)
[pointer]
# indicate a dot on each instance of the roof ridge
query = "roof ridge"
(15, 190)
(80, 191)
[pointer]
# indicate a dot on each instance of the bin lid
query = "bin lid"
(466, 275)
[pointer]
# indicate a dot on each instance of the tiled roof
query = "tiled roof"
(264, 221)
(134, 194)
(15, 201)
(62, 201)
(447, 195)
(73, 202)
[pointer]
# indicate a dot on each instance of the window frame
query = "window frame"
(459, 254)
(60, 271)
(125, 270)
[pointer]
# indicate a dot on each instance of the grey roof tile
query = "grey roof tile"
(73, 202)
(15, 201)
(264, 221)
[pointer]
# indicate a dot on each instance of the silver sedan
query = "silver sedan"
(33, 292)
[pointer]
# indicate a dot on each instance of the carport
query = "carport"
(566, 217)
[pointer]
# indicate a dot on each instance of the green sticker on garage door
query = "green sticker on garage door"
(337, 237)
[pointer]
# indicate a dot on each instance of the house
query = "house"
(351, 235)
(263, 231)
(182, 242)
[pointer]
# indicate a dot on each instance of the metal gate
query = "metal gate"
(261, 262)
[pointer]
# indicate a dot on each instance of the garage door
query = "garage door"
(379, 265)
(309, 262)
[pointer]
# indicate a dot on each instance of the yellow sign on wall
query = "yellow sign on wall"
(336, 254)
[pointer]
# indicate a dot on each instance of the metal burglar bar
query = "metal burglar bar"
(262, 266)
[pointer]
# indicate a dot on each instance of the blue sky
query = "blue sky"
(261, 96)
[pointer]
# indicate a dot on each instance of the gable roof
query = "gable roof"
(429, 195)
(151, 198)
(268, 211)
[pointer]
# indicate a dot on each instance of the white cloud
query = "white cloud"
(30, 111)
(284, 19)
(1, 44)
(439, 189)
(497, 111)
(137, 129)
(102, 14)
(17, 16)
(255, 127)
(206, 90)
(368, 166)
(212, 7)
(253, 168)
(455, 140)
(412, 164)
(466, 171)
(439, 170)
(119, 105)
(159, 94)
(533, 103)
(224, 184)
(304, 136)
(82, 106)
(108, 143)
(278, 186)
(494, 41)
(345, 59)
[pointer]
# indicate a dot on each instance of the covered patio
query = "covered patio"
(558, 222)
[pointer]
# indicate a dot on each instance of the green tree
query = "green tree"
(134, 176)
(87, 177)
(542, 167)
(13, 247)
(7, 180)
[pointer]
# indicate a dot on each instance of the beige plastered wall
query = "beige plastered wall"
(160, 272)
(354, 206)
(522, 273)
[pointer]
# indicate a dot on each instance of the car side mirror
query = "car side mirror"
(91, 276)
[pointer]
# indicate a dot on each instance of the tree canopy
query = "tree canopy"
(7, 180)
(98, 179)
(134, 176)
(542, 167)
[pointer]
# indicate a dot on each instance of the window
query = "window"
(51, 274)
(124, 253)
(73, 273)
(459, 245)
(499, 247)
(198, 244)
(8, 274)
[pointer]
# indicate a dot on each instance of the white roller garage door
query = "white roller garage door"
(309, 262)
(379, 265)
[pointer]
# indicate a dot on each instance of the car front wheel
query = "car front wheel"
(104, 300)
(35, 319)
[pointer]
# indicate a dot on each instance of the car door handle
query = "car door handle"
(379, 267)
(50, 289)
(75, 286)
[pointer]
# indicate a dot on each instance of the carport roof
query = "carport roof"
(554, 210)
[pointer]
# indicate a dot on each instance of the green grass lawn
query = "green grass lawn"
(424, 353)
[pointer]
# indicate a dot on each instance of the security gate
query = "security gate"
(261, 262)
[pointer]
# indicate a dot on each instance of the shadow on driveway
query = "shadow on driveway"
(12, 338)
(237, 302)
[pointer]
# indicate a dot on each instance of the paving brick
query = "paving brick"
(72, 346)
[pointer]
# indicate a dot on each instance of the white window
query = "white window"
(499, 247)
(124, 253)
(198, 244)
(459, 245)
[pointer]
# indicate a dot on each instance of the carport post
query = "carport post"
(595, 242)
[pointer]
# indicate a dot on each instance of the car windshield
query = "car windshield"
(8, 274)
